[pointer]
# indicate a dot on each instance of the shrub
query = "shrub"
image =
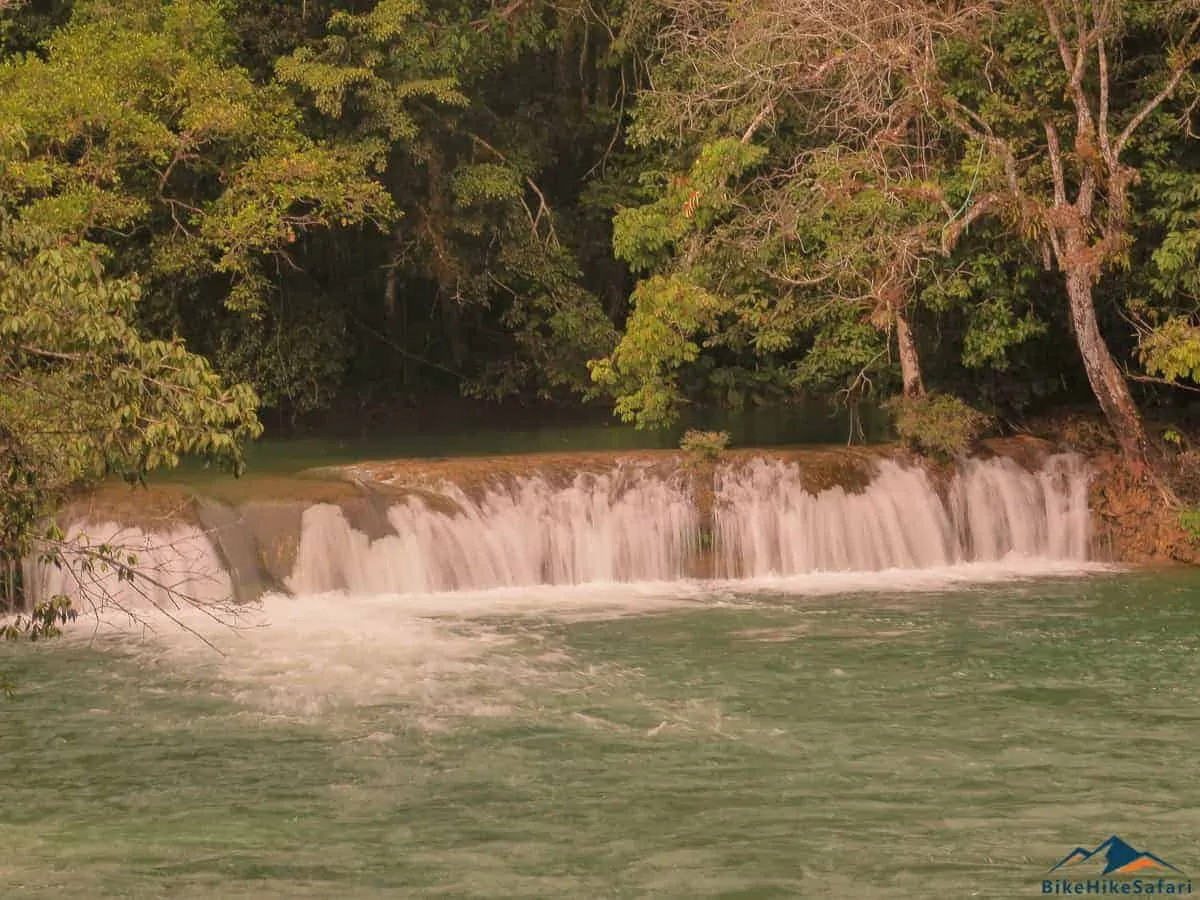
(1189, 521)
(937, 425)
(705, 445)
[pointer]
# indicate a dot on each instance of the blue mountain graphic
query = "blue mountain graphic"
(1117, 855)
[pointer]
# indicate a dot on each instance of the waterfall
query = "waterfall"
(625, 526)
(601, 528)
(168, 567)
(768, 524)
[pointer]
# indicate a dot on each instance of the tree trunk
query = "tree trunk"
(392, 302)
(391, 284)
(910, 363)
(1107, 381)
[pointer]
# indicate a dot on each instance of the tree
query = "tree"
(828, 201)
(134, 127)
(1049, 153)
(83, 396)
(1085, 121)
(457, 94)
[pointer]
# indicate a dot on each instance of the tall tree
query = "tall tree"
(458, 94)
(133, 126)
(1036, 107)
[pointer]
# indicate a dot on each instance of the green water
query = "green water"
(489, 433)
(882, 745)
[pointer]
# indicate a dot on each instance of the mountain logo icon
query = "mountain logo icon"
(1119, 858)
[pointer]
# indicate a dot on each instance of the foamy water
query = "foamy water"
(407, 613)
(457, 652)
(600, 528)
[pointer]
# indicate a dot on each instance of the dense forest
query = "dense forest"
(220, 212)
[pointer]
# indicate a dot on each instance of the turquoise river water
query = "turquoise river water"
(912, 736)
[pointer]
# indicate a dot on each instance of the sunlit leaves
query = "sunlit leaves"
(1172, 350)
(646, 236)
(370, 68)
(83, 394)
(136, 120)
(664, 332)
(482, 182)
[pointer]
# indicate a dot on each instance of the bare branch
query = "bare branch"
(1187, 55)
(1106, 147)
(504, 14)
(757, 123)
(1150, 379)
(955, 229)
(1071, 62)
(543, 207)
(1054, 148)
(90, 571)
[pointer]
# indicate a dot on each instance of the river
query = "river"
(950, 729)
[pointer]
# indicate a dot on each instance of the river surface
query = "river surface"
(488, 432)
(920, 734)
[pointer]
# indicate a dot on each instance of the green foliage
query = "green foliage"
(994, 286)
(135, 128)
(646, 236)
(458, 97)
(706, 446)
(484, 182)
(137, 115)
(1189, 521)
(294, 357)
(556, 325)
(938, 425)
(891, 186)
(45, 621)
(660, 336)
(842, 347)
(811, 259)
(339, 201)
(1172, 350)
(83, 395)
(374, 68)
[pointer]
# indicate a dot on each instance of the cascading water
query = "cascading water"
(768, 524)
(622, 527)
(630, 525)
(601, 528)
(122, 569)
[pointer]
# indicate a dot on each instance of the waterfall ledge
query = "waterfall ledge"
(410, 528)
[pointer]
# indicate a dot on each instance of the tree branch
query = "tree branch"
(1106, 147)
(543, 206)
(757, 123)
(1150, 379)
(505, 13)
(1187, 57)
(955, 229)
(1054, 151)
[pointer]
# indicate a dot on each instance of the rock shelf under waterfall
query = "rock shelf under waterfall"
(632, 521)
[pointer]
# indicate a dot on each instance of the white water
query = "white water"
(411, 614)
(599, 529)
(767, 524)
(172, 570)
(605, 529)
(627, 528)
